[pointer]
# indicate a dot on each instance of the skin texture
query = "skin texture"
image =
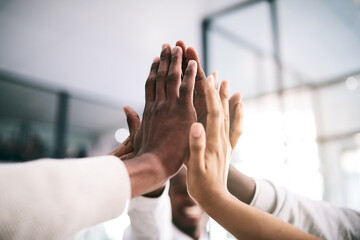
(161, 141)
(187, 215)
(207, 176)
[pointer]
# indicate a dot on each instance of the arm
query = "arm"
(167, 118)
(316, 217)
(53, 199)
(207, 176)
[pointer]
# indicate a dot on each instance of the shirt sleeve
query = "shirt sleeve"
(150, 218)
(315, 217)
(54, 199)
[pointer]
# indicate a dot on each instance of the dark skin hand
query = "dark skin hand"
(161, 141)
(169, 111)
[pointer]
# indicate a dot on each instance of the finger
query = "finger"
(224, 97)
(216, 82)
(128, 156)
(197, 143)
(174, 76)
(200, 74)
(236, 128)
(184, 58)
(132, 119)
(162, 72)
(150, 82)
(187, 85)
(124, 148)
(214, 116)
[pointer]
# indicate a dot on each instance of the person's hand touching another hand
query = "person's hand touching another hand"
(207, 175)
(162, 139)
(210, 151)
(235, 105)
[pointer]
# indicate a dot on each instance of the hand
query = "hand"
(210, 152)
(168, 112)
(235, 104)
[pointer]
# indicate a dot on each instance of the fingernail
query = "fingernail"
(211, 79)
(226, 84)
(163, 46)
(191, 63)
(197, 131)
(156, 59)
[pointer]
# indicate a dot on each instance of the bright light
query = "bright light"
(121, 134)
(352, 83)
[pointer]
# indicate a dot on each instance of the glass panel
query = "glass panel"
(27, 117)
(92, 128)
(320, 39)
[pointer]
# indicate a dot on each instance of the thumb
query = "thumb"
(197, 141)
(132, 119)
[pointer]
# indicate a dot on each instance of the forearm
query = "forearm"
(146, 174)
(246, 222)
(53, 199)
(240, 185)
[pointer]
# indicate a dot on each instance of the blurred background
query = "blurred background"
(68, 67)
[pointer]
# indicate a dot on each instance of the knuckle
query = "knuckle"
(175, 57)
(189, 71)
(184, 88)
(154, 66)
(171, 76)
(164, 55)
(149, 82)
(160, 74)
(224, 94)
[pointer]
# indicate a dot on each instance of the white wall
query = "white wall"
(99, 49)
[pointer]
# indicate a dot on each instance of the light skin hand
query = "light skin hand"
(240, 185)
(207, 174)
(200, 99)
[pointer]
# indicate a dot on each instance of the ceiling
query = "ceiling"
(98, 49)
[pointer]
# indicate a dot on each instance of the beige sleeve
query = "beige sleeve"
(53, 199)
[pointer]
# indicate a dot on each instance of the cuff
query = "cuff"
(146, 204)
(265, 196)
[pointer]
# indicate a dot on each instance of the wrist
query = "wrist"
(146, 174)
(212, 198)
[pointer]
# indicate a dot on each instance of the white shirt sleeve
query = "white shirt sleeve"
(54, 199)
(315, 217)
(150, 218)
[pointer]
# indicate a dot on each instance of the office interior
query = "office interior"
(68, 67)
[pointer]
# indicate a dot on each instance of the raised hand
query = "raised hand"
(207, 176)
(235, 104)
(168, 112)
(210, 152)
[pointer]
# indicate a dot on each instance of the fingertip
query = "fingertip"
(176, 49)
(126, 109)
(165, 45)
(225, 85)
(197, 130)
(191, 64)
(156, 59)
